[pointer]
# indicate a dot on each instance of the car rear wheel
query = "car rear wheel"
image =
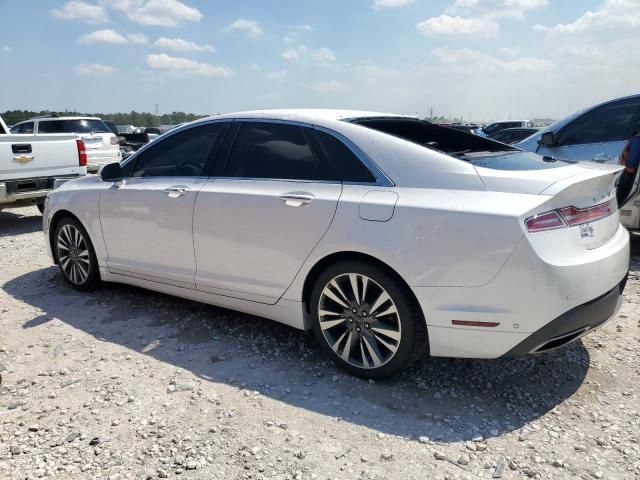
(366, 320)
(75, 254)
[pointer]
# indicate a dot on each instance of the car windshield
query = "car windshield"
(513, 161)
(82, 126)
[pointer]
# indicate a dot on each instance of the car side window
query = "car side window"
(349, 166)
(26, 127)
(48, 126)
(275, 151)
(607, 123)
(183, 154)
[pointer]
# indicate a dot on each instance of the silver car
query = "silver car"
(390, 237)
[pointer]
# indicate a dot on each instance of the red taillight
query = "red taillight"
(544, 221)
(82, 153)
(578, 216)
(570, 216)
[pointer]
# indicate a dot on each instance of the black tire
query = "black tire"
(92, 280)
(412, 331)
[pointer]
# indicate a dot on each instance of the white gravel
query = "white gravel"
(124, 383)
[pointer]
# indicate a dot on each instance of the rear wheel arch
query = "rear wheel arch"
(337, 257)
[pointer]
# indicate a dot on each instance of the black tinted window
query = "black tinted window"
(48, 126)
(82, 126)
(608, 123)
(181, 155)
(343, 159)
(23, 128)
(275, 151)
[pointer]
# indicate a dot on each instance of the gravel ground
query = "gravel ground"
(124, 383)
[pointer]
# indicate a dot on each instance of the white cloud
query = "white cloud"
(301, 52)
(329, 86)
(279, 76)
(180, 45)
(5, 49)
(180, 65)
(391, 3)
(468, 60)
(467, 26)
(76, 10)
(165, 13)
(139, 38)
(614, 13)
(102, 36)
(494, 8)
(304, 28)
(94, 69)
(250, 27)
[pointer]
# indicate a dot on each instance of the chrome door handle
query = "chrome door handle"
(296, 199)
(177, 191)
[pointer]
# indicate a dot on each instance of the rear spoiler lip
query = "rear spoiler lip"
(590, 171)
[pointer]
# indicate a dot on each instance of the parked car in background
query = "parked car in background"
(495, 127)
(598, 133)
(33, 165)
(513, 135)
(153, 130)
(102, 146)
(126, 128)
(474, 129)
(390, 237)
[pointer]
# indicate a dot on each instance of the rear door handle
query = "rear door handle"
(176, 191)
(297, 199)
(21, 148)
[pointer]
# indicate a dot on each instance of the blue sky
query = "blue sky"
(486, 59)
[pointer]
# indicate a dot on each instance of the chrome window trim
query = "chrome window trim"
(172, 133)
(382, 180)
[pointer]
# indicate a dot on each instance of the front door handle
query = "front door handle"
(176, 191)
(297, 199)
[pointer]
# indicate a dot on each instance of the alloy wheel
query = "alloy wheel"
(73, 254)
(359, 320)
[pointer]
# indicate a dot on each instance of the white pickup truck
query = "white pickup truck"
(33, 165)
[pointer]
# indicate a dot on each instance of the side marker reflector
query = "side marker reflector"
(467, 323)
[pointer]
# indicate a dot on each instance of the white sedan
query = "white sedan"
(390, 237)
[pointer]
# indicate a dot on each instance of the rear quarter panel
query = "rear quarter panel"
(434, 238)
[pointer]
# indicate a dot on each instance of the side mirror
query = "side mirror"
(548, 139)
(111, 172)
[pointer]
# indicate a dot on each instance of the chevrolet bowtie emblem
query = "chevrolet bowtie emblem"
(23, 159)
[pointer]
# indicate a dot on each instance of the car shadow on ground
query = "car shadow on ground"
(444, 399)
(19, 222)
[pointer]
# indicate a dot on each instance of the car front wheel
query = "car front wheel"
(75, 254)
(366, 320)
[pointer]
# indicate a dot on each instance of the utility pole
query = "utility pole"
(156, 109)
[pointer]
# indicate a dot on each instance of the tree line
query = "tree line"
(139, 119)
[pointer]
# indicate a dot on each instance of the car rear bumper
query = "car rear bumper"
(524, 298)
(573, 324)
(27, 191)
(95, 160)
(630, 214)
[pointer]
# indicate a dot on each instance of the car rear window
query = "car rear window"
(82, 126)
(72, 126)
